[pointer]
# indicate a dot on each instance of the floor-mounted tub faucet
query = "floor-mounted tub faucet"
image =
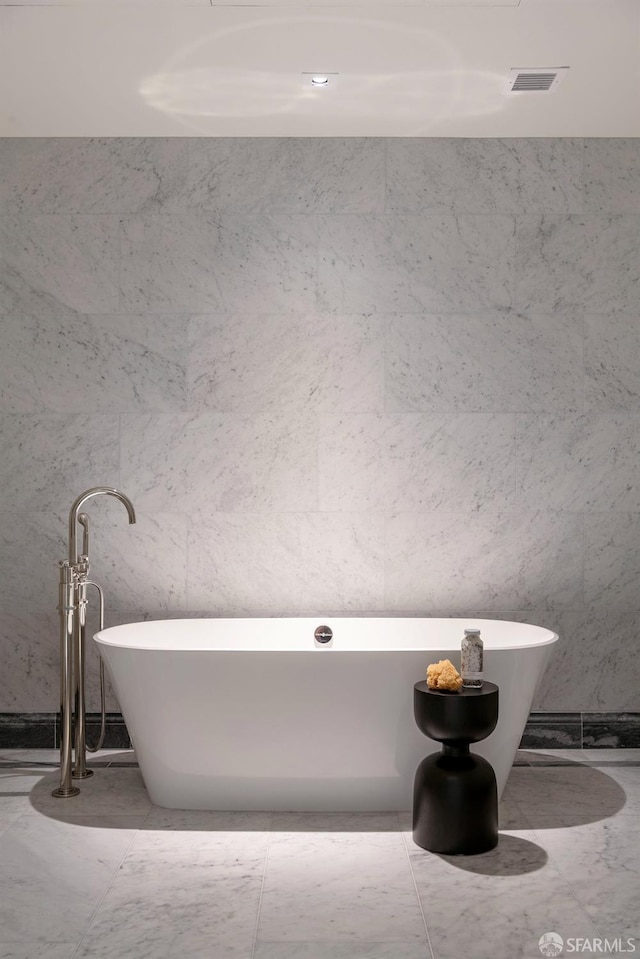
(72, 607)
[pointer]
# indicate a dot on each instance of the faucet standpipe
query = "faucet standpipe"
(72, 609)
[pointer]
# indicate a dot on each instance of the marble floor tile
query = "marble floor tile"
(601, 863)
(335, 886)
(187, 903)
(565, 796)
(342, 950)
(53, 874)
(504, 901)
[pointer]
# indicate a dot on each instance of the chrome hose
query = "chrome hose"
(103, 713)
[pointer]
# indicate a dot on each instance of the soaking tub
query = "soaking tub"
(254, 714)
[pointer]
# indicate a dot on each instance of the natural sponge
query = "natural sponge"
(444, 675)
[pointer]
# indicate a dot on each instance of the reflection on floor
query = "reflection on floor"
(108, 875)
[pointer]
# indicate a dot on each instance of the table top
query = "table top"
(484, 690)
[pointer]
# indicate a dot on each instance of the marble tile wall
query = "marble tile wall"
(350, 376)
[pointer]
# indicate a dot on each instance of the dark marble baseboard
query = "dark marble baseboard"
(543, 731)
(582, 731)
(27, 730)
(553, 731)
(42, 731)
(610, 730)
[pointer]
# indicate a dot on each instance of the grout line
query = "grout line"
(264, 876)
(111, 882)
(119, 259)
(415, 886)
(385, 176)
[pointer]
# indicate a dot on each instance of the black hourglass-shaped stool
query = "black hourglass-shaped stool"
(455, 797)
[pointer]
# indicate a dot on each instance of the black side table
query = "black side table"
(455, 797)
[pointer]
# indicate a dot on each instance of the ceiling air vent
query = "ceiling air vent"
(535, 79)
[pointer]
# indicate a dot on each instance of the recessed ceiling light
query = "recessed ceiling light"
(320, 81)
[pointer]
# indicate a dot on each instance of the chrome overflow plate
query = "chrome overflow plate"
(323, 635)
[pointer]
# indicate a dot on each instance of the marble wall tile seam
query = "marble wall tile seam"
(434, 609)
(385, 179)
(186, 313)
(231, 216)
(584, 415)
(120, 268)
(586, 217)
(436, 216)
(66, 215)
(488, 512)
(583, 358)
(583, 587)
(120, 471)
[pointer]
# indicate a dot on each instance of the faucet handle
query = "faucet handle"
(83, 519)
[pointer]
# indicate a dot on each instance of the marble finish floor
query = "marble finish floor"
(107, 875)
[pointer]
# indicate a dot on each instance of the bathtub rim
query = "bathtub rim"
(113, 636)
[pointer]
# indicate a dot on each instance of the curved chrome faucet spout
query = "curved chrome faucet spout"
(77, 505)
(72, 607)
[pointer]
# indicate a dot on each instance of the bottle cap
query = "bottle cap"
(472, 632)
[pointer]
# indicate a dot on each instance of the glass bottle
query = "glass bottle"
(471, 659)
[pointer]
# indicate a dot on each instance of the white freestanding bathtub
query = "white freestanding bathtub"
(252, 714)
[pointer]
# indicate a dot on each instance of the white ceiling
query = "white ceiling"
(429, 68)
